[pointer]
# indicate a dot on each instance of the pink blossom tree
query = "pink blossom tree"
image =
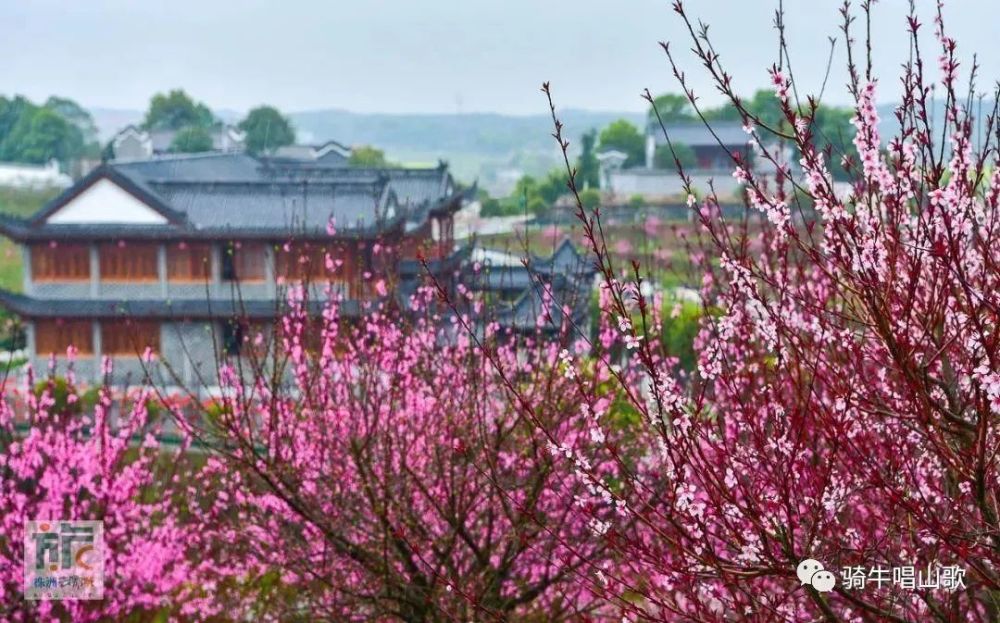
(62, 459)
(847, 399)
(380, 469)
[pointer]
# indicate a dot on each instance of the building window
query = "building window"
(129, 337)
(60, 262)
(189, 262)
(129, 262)
(53, 337)
(243, 261)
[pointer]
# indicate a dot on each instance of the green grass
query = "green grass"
(22, 203)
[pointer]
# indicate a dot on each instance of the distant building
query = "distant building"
(133, 143)
(190, 254)
(330, 153)
(713, 149)
(187, 254)
(18, 175)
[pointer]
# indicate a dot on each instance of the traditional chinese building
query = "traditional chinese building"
(182, 254)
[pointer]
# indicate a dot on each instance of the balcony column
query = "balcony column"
(270, 280)
(98, 349)
(26, 272)
(216, 285)
(95, 271)
(161, 268)
(29, 341)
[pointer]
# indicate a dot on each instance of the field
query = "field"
(17, 202)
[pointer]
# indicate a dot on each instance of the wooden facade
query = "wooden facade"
(189, 262)
(130, 338)
(54, 337)
(129, 262)
(60, 262)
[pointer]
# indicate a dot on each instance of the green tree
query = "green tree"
(587, 170)
(590, 198)
(191, 140)
(176, 110)
(75, 114)
(538, 206)
(40, 135)
(663, 159)
(726, 112)
(367, 156)
(488, 206)
(266, 129)
(832, 129)
(765, 106)
(679, 333)
(626, 138)
(11, 111)
(672, 108)
(553, 186)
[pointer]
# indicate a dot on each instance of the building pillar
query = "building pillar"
(29, 341)
(27, 283)
(270, 268)
(98, 349)
(161, 268)
(95, 271)
(217, 251)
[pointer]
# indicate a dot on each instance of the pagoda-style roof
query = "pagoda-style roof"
(234, 195)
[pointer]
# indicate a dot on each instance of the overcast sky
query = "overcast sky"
(426, 55)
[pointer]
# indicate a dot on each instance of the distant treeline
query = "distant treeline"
(60, 129)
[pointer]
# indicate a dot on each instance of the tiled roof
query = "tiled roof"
(235, 192)
(207, 167)
(282, 206)
(696, 134)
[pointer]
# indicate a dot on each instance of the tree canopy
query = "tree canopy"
(191, 140)
(587, 173)
(367, 156)
(832, 127)
(626, 138)
(266, 129)
(664, 159)
(672, 108)
(35, 134)
(176, 110)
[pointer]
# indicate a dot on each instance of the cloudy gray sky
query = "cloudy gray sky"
(423, 55)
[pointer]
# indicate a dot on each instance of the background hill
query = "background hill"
(489, 147)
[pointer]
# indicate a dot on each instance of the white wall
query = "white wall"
(657, 183)
(32, 176)
(103, 203)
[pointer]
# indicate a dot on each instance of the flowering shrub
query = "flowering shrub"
(60, 461)
(847, 396)
(387, 471)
